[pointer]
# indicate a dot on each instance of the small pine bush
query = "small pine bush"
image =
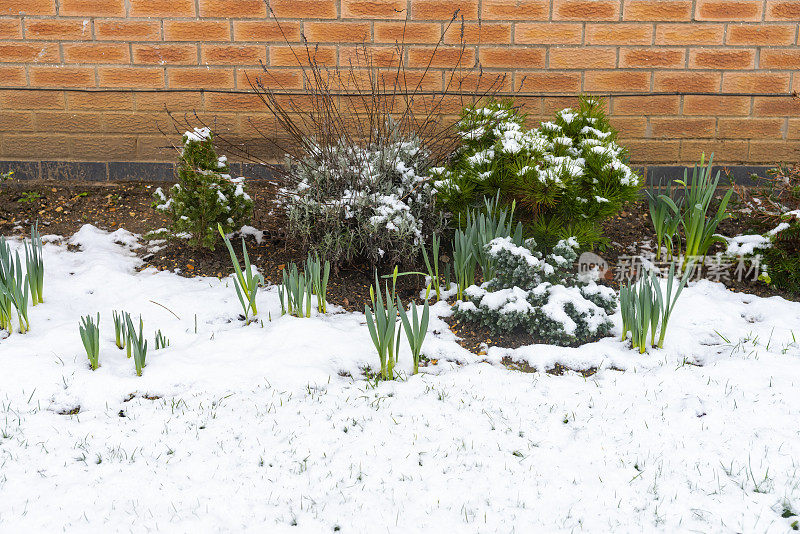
(782, 258)
(205, 195)
(565, 176)
(540, 295)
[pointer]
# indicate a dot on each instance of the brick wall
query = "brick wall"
(746, 49)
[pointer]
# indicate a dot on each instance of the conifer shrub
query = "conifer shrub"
(566, 176)
(206, 195)
(539, 294)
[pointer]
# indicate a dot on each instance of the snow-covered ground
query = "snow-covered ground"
(255, 428)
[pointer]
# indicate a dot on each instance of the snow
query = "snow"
(256, 429)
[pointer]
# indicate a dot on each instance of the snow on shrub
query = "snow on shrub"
(370, 203)
(566, 175)
(540, 295)
(205, 195)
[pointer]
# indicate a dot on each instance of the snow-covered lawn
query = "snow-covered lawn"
(254, 428)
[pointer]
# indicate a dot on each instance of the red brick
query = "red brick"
(515, 9)
(304, 9)
(233, 54)
(196, 30)
(444, 9)
(657, 11)
(728, 10)
(96, 53)
(27, 7)
(578, 58)
(584, 10)
(755, 82)
(62, 76)
(524, 58)
(127, 30)
(100, 101)
(373, 9)
(646, 105)
(336, 32)
(162, 8)
(777, 58)
(622, 34)
(166, 54)
(721, 58)
(441, 57)
(716, 105)
(616, 81)
(10, 99)
(130, 77)
(646, 58)
(286, 56)
(686, 82)
(200, 77)
(233, 9)
(10, 29)
(67, 121)
(682, 128)
(20, 52)
(761, 34)
(12, 76)
(776, 107)
(750, 128)
(548, 82)
(407, 32)
(270, 79)
(478, 34)
(92, 8)
(548, 33)
(265, 31)
(57, 29)
(783, 10)
(689, 34)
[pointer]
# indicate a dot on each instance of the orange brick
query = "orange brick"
(66, 121)
(793, 132)
(755, 82)
(760, 34)
(196, 30)
(286, 56)
(772, 151)
(16, 121)
(682, 128)
(57, 29)
(624, 34)
(263, 31)
(616, 80)
(724, 150)
(686, 82)
(515, 9)
(62, 76)
(233, 54)
(477, 83)
(441, 57)
(643, 151)
(407, 32)
(92, 8)
(629, 127)
(783, 10)
(233, 9)
(336, 32)
(96, 53)
(478, 34)
(162, 8)
(578, 58)
(584, 10)
(269, 79)
(548, 33)
(548, 82)
(411, 80)
(728, 10)
(27, 7)
(716, 105)
(170, 101)
(19, 52)
(12, 76)
(360, 57)
(34, 145)
(100, 101)
(167, 54)
(787, 106)
(10, 99)
(777, 58)
(130, 77)
(750, 128)
(105, 147)
(135, 122)
(233, 102)
(444, 9)
(304, 9)
(10, 29)
(646, 105)
(374, 9)
(638, 58)
(721, 58)
(689, 34)
(657, 11)
(200, 77)
(555, 104)
(525, 58)
(127, 30)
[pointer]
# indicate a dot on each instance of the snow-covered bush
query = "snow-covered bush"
(566, 175)
(368, 203)
(205, 195)
(540, 295)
